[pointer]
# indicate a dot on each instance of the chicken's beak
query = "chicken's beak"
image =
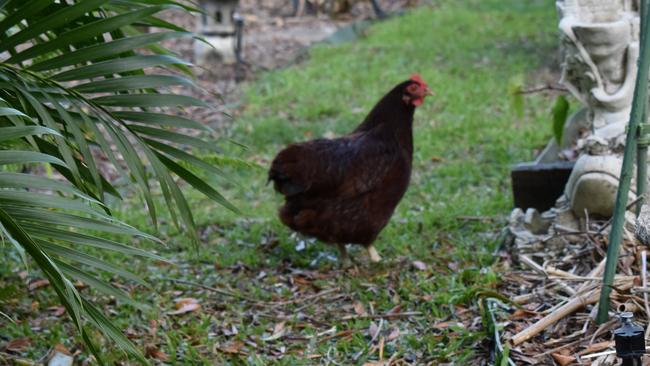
(428, 91)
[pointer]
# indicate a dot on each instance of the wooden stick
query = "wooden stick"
(303, 299)
(596, 272)
(541, 88)
(213, 289)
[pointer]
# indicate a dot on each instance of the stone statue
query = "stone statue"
(600, 42)
(600, 46)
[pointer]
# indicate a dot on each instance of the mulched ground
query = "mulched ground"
(552, 281)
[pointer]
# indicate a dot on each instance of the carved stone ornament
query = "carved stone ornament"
(600, 44)
(600, 47)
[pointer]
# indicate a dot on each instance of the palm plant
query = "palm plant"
(73, 88)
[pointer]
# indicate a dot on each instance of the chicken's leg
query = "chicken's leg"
(343, 256)
(372, 252)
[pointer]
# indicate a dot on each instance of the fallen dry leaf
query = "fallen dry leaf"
(185, 300)
(185, 305)
(396, 310)
(18, 344)
(419, 265)
(373, 330)
(154, 352)
(394, 333)
(359, 309)
(596, 347)
(231, 348)
(60, 359)
(342, 334)
(302, 281)
(562, 360)
(442, 325)
(230, 331)
(57, 310)
(278, 332)
(187, 308)
(131, 333)
(36, 284)
(519, 314)
(63, 349)
(436, 159)
(153, 327)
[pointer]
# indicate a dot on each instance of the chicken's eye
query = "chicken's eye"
(412, 89)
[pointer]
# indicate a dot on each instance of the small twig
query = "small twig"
(543, 88)
(559, 348)
(476, 218)
(303, 299)
(640, 290)
(590, 297)
(332, 299)
(213, 289)
(343, 333)
(405, 314)
(293, 319)
(391, 359)
(629, 206)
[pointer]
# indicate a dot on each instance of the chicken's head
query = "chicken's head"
(415, 91)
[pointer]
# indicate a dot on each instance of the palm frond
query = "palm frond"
(78, 81)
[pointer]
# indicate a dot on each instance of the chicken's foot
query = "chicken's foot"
(374, 256)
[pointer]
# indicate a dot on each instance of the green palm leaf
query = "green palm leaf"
(56, 58)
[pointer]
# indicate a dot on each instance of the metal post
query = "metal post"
(379, 12)
(638, 105)
(239, 33)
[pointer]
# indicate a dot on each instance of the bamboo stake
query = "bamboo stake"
(638, 105)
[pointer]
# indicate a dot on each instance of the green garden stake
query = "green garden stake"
(638, 106)
(643, 138)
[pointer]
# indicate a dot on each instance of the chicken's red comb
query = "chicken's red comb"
(418, 79)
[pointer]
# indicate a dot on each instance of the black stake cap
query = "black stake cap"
(629, 337)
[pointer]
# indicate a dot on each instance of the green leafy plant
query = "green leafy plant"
(78, 83)
(515, 91)
(560, 114)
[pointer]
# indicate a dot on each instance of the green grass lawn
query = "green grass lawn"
(466, 138)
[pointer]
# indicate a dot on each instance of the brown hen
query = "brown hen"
(345, 190)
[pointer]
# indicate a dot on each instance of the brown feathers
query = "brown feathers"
(345, 190)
